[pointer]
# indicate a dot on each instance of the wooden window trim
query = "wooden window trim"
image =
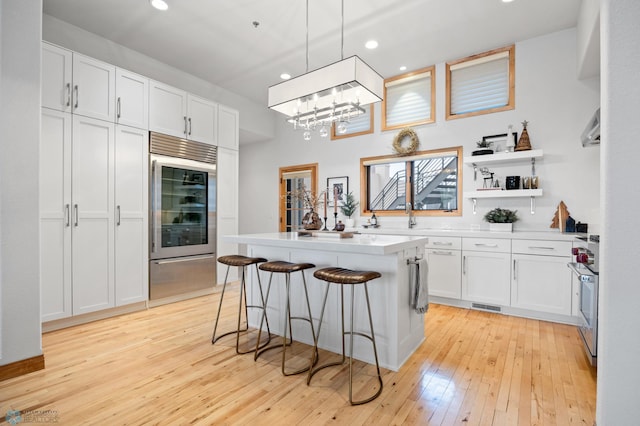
(512, 83)
(335, 136)
(431, 119)
(408, 189)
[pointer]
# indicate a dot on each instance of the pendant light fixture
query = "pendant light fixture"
(332, 94)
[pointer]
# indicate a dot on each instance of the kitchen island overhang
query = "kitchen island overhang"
(399, 329)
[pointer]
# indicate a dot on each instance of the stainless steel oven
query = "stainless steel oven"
(183, 216)
(586, 270)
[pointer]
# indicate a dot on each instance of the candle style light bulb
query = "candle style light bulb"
(323, 131)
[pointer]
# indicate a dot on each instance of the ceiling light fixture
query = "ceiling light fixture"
(371, 44)
(285, 76)
(403, 68)
(333, 93)
(159, 4)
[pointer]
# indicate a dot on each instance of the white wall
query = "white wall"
(20, 23)
(256, 123)
(619, 317)
(548, 95)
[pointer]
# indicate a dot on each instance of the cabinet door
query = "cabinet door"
(55, 219)
(227, 202)
(228, 121)
(541, 283)
(444, 276)
(131, 231)
(56, 77)
(167, 109)
(202, 118)
(486, 277)
(132, 99)
(93, 88)
(92, 221)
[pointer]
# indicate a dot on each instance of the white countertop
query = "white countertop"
(467, 233)
(360, 243)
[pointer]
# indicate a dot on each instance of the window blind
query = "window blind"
(361, 123)
(479, 86)
(408, 100)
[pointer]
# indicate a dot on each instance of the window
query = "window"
(481, 84)
(409, 99)
(360, 125)
(429, 180)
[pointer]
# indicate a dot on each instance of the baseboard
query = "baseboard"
(22, 367)
(92, 316)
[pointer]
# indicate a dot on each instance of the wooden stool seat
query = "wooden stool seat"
(344, 277)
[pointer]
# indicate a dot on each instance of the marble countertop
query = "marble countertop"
(377, 244)
(467, 233)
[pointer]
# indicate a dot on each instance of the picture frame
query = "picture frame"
(341, 185)
(499, 141)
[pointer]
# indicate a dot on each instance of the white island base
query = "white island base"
(399, 330)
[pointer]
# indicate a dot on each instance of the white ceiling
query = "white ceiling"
(216, 40)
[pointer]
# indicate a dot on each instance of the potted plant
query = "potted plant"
(501, 219)
(484, 148)
(349, 207)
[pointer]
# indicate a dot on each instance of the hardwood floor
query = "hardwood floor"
(159, 367)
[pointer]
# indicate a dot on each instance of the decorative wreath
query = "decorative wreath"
(398, 142)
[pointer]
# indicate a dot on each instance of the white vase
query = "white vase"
(500, 227)
(350, 223)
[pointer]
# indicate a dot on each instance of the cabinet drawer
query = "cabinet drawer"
(487, 244)
(542, 247)
(447, 243)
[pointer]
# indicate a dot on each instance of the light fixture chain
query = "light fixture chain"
(342, 34)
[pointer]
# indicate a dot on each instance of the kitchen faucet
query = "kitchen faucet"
(409, 210)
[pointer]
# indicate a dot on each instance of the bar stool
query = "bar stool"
(344, 277)
(282, 267)
(241, 262)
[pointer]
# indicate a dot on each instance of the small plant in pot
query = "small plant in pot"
(501, 219)
(349, 207)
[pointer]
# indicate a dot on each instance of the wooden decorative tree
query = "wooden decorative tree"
(524, 144)
(560, 217)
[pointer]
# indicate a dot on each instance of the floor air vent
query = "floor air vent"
(486, 307)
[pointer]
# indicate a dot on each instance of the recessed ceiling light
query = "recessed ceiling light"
(285, 76)
(371, 44)
(159, 4)
(403, 68)
(507, 1)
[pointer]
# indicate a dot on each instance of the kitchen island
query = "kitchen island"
(398, 328)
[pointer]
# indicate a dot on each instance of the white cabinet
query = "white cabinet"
(92, 214)
(57, 64)
(132, 99)
(486, 275)
(177, 113)
(227, 201)
(541, 280)
(131, 204)
(93, 93)
(228, 127)
(444, 266)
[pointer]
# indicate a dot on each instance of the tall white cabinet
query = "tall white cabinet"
(93, 191)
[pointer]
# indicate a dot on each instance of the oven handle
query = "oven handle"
(585, 278)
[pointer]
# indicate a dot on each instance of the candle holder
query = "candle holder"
(325, 224)
(335, 221)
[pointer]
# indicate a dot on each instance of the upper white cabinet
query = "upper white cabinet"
(56, 77)
(132, 99)
(93, 93)
(228, 127)
(175, 112)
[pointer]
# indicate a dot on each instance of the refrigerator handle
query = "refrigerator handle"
(153, 206)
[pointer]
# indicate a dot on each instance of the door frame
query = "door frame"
(312, 168)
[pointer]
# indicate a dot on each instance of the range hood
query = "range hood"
(591, 134)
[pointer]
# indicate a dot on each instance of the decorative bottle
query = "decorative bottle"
(374, 219)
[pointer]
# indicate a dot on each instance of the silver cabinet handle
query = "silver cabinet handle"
(443, 252)
(515, 278)
(118, 108)
(75, 207)
(486, 245)
(118, 217)
(75, 88)
(464, 265)
(67, 214)
(68, 94)
(189, 126)
(440, 243)
(185, 124)
(540, 248)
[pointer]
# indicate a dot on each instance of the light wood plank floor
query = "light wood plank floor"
(159, 367)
